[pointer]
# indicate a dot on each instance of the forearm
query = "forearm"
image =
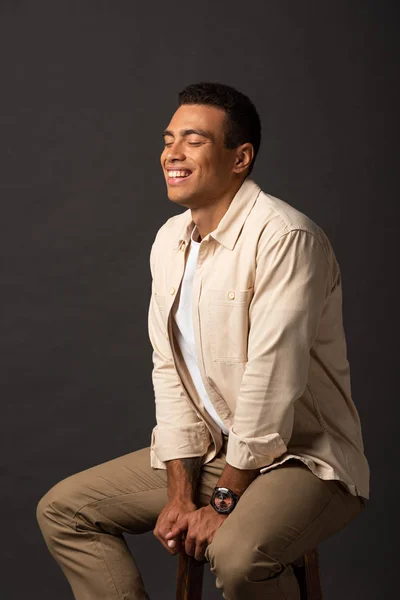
(235, 479)
(183, 475)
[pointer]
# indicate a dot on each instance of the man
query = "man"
(257, 455)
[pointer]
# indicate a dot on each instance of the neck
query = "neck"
(207, 218)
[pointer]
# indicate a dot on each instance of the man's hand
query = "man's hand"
(201, 526)
(176, 510)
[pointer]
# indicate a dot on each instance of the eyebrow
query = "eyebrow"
(186, 132)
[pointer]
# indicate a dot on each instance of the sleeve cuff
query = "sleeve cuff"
(254, 452)
(169, 443)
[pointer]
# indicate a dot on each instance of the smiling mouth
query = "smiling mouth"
(176, 177)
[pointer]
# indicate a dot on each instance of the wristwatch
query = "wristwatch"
(224, 500)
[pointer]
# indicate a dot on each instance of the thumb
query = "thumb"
(179, 527)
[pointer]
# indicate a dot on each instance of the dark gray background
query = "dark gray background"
(86, 89)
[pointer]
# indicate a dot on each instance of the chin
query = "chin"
(179, 196)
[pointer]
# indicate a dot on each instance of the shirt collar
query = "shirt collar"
(230, 226)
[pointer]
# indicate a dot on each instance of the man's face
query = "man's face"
(197, 167)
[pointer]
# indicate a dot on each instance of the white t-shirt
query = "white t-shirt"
(183, 329)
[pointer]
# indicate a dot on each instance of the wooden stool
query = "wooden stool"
(189, 583)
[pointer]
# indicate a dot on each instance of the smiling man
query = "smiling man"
(257, 455)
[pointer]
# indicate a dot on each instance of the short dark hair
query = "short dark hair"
(242, 119)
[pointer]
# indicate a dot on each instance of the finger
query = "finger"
(165, 527)
(174, 532)
(177, 529)
(171, 551)
(162, 529)
(190, 546)
(175, 545)
(164, 543)
(180, 542)
(200, 552)
(166, 533)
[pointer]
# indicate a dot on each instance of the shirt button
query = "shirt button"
(183, 245)
(172, 290)
(231, 295)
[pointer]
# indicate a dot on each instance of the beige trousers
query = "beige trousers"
(281, 515)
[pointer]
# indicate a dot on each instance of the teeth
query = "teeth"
(178, 173)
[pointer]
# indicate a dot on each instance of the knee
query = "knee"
(237, 563)
(42, 511)
(229, 565)
(52, 509)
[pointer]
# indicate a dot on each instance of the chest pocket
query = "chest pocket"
(228, 324)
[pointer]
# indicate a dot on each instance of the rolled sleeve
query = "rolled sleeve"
(182, 441)
(179, 432)
(293, 279)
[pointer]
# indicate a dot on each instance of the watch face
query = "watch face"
(223, 501)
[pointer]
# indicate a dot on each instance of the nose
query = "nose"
(174, 152)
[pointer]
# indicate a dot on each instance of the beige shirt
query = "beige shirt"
(270, 344)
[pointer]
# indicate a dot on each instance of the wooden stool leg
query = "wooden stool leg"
(312, 573)
(189, 583)
(299, 571)
(307, 572)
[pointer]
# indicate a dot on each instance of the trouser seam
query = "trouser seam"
(95, 544)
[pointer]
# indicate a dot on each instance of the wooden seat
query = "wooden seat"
(189, 584)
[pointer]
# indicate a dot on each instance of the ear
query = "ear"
(243, 158)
